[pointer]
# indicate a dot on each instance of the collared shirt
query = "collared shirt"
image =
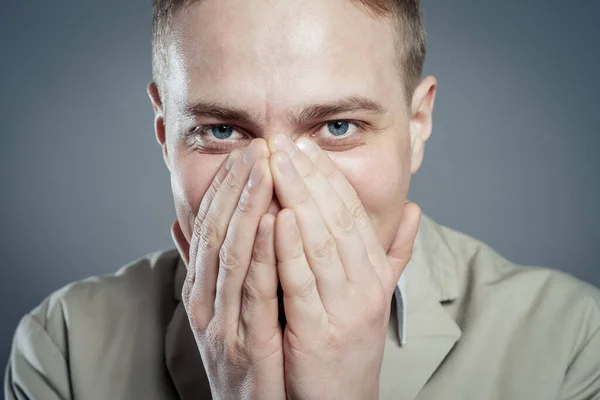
(400, 307)
(473, 325)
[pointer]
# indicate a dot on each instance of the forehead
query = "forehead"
(272, 55)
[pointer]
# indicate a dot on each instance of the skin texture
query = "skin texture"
(271, 59)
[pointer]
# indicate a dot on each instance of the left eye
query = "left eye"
(339, 128)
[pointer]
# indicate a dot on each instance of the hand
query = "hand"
(230, 291)
(336, 277)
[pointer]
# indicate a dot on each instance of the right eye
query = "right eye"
(216, 136)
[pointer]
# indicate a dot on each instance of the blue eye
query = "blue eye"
(221, 131)
(338, 128)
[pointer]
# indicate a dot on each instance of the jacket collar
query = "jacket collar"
(431, 281)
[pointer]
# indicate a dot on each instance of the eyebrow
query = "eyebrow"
(298, 117)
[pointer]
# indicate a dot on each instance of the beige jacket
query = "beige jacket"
(477, 327)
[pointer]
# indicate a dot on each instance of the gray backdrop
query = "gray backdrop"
(513, 159)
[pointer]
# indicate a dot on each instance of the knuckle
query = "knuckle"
(212, 190)
(358, 214)
(302, 196)
(306, 288)
(198, 226)
(229, 260)
(206, 200)
(297, 256)
(245, 204)
(232, 182)
(343, 221)
(214, 333)
(238, 354)
(261, 253)
(209, 234)
(223, 343)
(253, 294)
(324, 250)
(214, 185)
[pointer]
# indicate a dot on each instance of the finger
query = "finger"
(304, 309)
(236, 251)
(319, 245)
(400, 252)
(199, 219)
(337, 217)
(259, 312)
(345, 190)
(216, 183)
(211, 232)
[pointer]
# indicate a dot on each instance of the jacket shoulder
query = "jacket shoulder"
(92, 309)
(148, 278)
(541, 318)
(536, 294)
(60, 347)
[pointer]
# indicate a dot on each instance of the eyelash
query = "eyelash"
(203, 130)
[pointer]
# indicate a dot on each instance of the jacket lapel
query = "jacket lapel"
(431, 332)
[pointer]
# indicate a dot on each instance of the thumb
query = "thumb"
(180, 242)
(400, 252)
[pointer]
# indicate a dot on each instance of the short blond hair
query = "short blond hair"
(407, 16)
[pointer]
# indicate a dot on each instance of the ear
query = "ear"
(421, 120)
(159, 119)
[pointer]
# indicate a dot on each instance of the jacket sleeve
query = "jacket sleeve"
(37, 368)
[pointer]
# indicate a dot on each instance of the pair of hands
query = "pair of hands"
(337, 279)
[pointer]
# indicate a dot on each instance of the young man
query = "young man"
(291, 130)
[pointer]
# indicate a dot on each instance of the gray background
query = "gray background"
(513, 159)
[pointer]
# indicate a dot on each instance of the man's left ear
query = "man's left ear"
(421, 120)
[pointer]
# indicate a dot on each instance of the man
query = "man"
(291, 130)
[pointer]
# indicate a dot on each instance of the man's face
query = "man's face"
(272, 60)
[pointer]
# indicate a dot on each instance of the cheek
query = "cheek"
(380, 174)
(191, 177)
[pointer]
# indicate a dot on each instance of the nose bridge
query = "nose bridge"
(274, 123)
(275, 117)
(273, 129)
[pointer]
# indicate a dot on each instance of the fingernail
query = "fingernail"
(231, 159)
(282, 142)
(285, 165)
(250, 155)
(256, 175)
(246, 155)
(307, 147)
